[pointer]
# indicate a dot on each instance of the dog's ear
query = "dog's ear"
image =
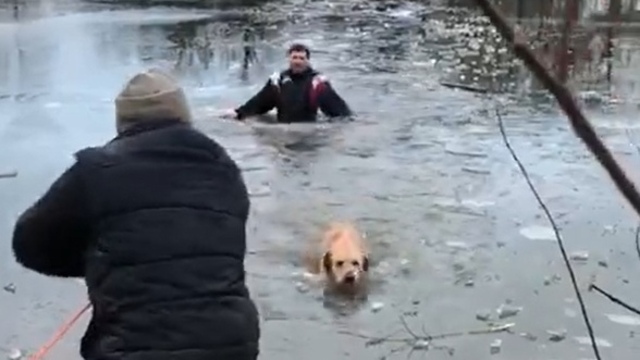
(365, 264)
(326, 261)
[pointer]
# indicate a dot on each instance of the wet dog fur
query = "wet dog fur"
(344, 260)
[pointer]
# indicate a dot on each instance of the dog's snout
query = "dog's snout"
(350, 278)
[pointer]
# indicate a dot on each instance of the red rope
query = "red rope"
(59, 334)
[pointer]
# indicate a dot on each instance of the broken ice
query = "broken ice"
(483, 315)
(15, 354)
(505, 311)
(579, 256)
(376, 306)
(584, 340)
(624, 319)
(302, 287)
(537, 232)
(557, 335)
(421, 344)
(495, 346)
(458, 245)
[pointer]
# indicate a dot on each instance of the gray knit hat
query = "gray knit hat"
(148, 96)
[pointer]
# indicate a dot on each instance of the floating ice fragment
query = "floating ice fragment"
(537, 232)
(584, 340)
(10, 288)
(624, 319)
(477, 203)
(557, 335)
(308, 276)
(460, 245)
(495, 347)
(483, 315)
(579, 256)
(15, 354)
(505, 311)
(376, 306)
(302, 287)
(405, 266)
(421, 344)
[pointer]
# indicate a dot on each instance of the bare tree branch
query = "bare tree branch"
(415, 342)
(581, 126)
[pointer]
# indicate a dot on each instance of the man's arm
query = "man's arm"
(51, 236)
(332, 104)
(260, 103)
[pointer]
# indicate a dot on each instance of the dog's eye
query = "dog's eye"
(339, 263)
(355, 263)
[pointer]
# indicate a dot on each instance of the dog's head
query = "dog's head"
(344, 269)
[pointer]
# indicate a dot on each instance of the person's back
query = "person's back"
(166, 273)
(165, 210)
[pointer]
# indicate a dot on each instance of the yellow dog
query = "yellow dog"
(345, 260)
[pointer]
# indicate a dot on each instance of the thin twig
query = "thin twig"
(614, 299)
(465, 87)
(8, 175)
(638, 241)
(581, 126)
(417, 339)
(407, 328)
(556, 231)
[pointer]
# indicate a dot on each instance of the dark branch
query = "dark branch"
(580, 124)
(614, 299)
(556, 231)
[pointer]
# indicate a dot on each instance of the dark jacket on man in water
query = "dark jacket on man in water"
(297, 98)
(155, 222)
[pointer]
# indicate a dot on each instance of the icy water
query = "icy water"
(454, 231)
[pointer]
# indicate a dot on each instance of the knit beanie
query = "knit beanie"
(151, 95)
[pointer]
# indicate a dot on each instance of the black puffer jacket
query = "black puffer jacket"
(155, 221)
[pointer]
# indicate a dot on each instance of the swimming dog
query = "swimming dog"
(344, 261)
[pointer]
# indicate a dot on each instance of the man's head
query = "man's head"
(299, 56)
(151, 95)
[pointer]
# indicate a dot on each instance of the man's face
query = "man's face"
(298, 61)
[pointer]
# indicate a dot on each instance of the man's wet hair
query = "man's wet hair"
(299, 48)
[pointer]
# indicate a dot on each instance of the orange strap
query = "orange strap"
(59, 334)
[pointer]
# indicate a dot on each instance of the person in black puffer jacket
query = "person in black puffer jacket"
(155, 222)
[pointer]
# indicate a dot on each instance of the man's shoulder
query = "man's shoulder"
(87, 153)
(172, 139)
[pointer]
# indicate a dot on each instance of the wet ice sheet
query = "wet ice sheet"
(447, 241)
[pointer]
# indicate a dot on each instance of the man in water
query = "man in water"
(297, 93)
(154, 221)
